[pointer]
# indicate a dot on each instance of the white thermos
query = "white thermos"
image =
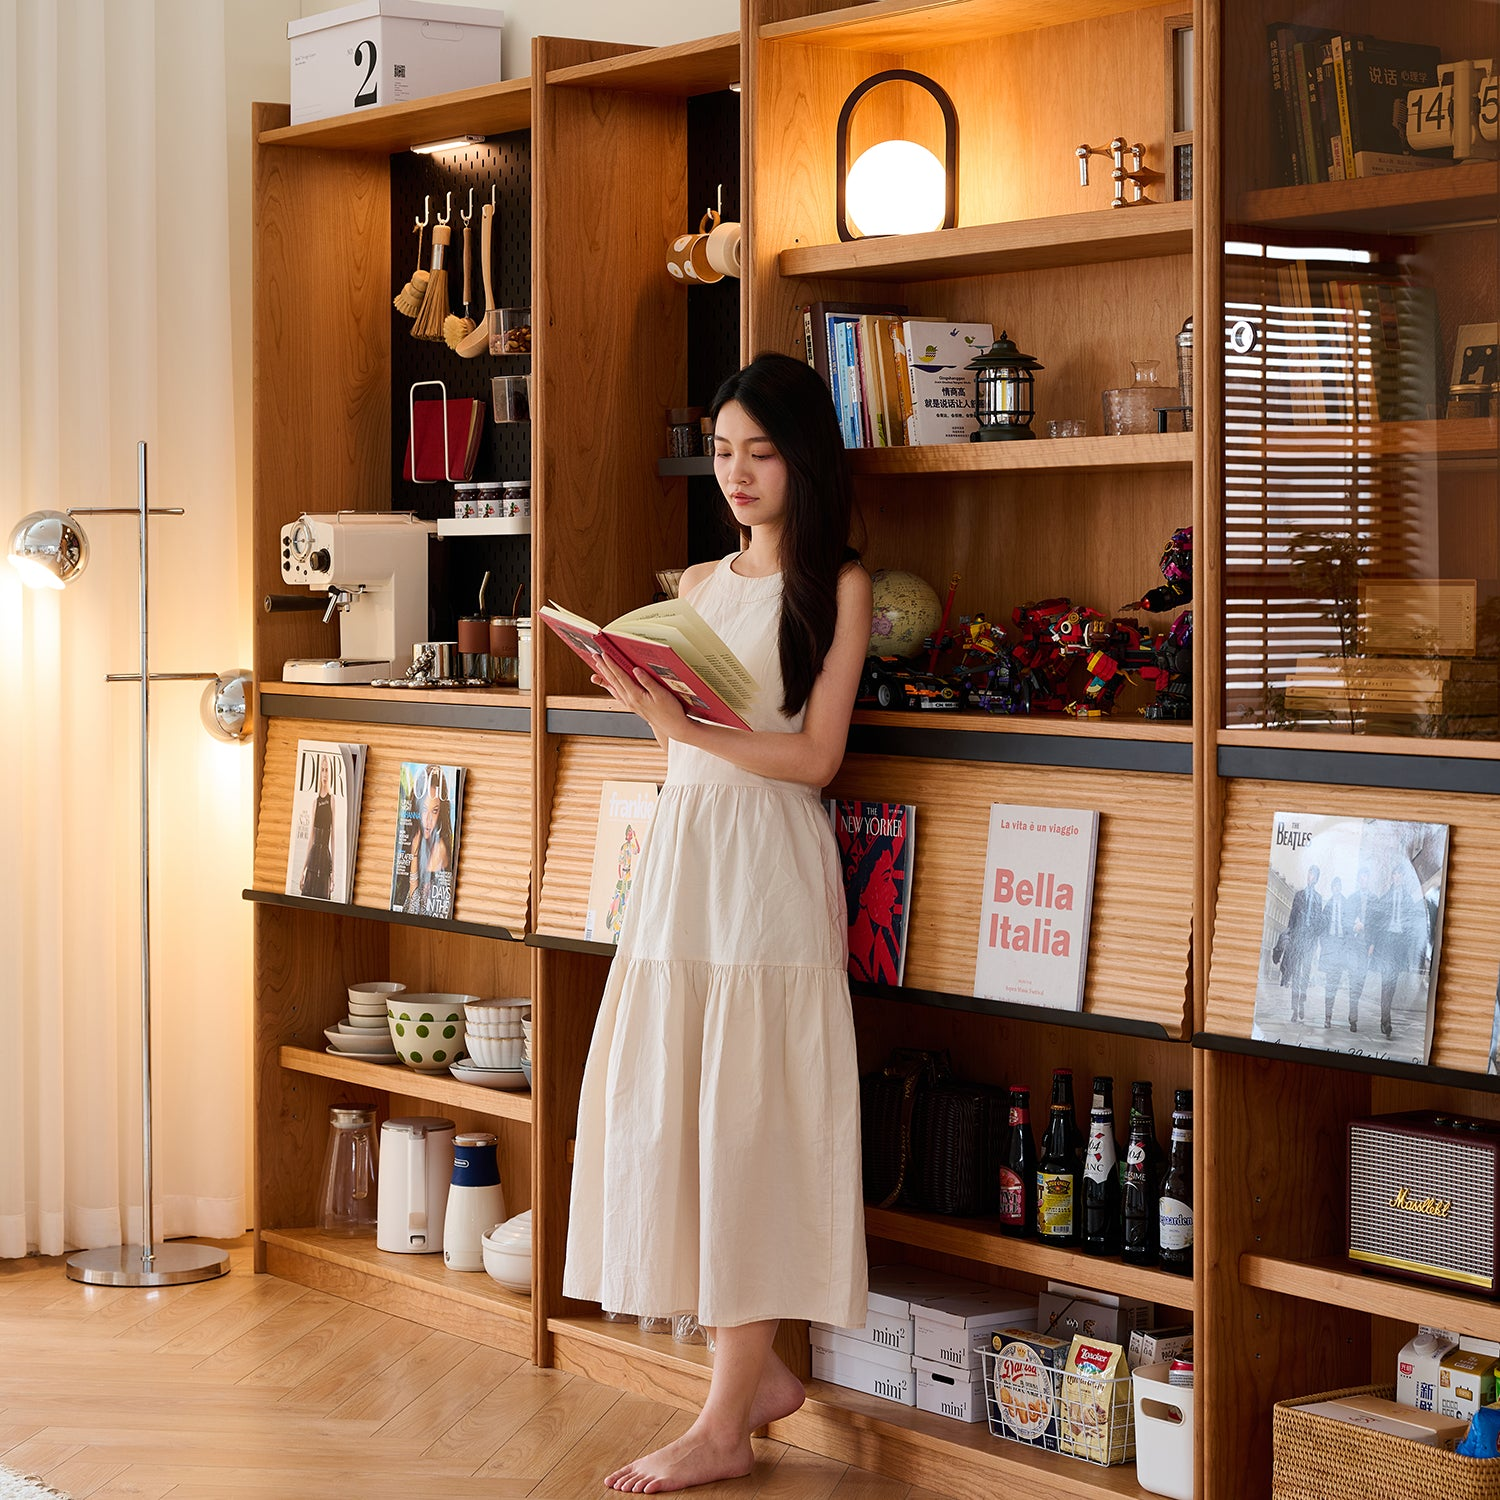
(476, 1201)
(416, 1160)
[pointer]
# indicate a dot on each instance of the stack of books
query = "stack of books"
(1395, 689)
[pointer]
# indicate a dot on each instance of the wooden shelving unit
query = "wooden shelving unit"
(439, 1088)
(682, 70)
(1407, 203)
(1087, 239)
(1172, 450)
(1454, 440)
(911, 25)
(495, 109)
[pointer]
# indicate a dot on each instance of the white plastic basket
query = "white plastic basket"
(1063, 1411)
(1164, 1434)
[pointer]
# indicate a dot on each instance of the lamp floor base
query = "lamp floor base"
(178, 1263)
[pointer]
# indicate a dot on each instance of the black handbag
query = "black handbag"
(887, 1103)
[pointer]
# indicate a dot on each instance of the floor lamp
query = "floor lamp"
(50, 550)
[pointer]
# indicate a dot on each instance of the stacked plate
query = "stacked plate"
(364, 1032)
(495, 1042)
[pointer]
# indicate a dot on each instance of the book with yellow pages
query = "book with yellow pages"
(673, 642)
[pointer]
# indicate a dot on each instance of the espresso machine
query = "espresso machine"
(373, 567)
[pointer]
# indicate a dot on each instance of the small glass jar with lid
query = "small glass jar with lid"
(466, 501)
(491, 499)
(515, 497)
(684, 434)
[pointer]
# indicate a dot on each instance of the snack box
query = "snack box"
(1097, 1420)
(1159, 1346)
(885, 1381)
(1466, 1381)
(848, 1343)
(1021, 1371)
(894, 1293)
(958, 1394)
(954, 1330)
(1065, 1310)
(1377, 1414)
(1417, 1367)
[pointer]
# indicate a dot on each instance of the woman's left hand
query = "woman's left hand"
(640, 692)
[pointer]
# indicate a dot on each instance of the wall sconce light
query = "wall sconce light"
(50, 549)
(897, 186)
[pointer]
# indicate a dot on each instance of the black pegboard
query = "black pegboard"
(713, 143)
(504, 164)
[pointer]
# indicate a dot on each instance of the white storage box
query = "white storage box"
(1065, 1310)
(864, 1375)
(953, 1330)
(895, 1292)
(850, 1344)
(949, 1393)
(1163, 1434)
(387, 51)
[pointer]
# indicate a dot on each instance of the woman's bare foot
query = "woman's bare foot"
(778, 1395)
(700, 1456)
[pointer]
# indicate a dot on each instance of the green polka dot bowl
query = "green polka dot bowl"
(428, 1030)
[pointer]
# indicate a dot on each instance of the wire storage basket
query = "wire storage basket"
(1080, 1415)
(1318, 1459)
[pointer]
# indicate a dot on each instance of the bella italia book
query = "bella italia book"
(1350, 938)
(1038, 897)
(626, 811)
(325, 820)
(877, 846)
(428, 812)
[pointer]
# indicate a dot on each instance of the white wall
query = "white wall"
(648, 22)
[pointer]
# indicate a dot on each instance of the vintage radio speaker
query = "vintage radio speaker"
(1423, 1195)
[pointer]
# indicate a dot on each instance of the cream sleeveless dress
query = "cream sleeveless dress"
(717, 1164)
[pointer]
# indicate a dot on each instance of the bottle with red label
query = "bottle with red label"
(1018, 1174)
(1057, 1174)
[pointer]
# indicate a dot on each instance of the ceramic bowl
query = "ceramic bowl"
(496, 1009)
(499, 1030)
(375, 993)
(507, 1253)
(494, 1052)
(363, 1023)
(430, 1046)
(427, 1007)
(372, 1043)
(526, 1069)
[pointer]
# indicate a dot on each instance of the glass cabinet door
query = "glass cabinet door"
(1361, 289)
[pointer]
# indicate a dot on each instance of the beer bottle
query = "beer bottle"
(1018, 1173)
(1101, 1177)
(1177, 1191)
(1139, 1210)
(1057, 1198)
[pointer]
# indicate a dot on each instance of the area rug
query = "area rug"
(15, 1486)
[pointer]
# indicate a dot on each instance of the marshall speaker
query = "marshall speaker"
(1423, 1196)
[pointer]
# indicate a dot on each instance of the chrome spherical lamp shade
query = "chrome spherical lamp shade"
(49, 549)
(225, 706)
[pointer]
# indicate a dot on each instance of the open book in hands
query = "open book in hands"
(673, 642)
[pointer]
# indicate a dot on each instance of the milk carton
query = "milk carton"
(1466, 1381)
(1417, 1368)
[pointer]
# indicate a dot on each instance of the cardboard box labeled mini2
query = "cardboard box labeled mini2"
(388, 51)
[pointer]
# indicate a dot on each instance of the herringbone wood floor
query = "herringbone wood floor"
(251, 1387)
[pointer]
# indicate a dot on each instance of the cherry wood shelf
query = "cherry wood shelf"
(1336, 1282)
(960, 1459)
(1450, 440)
(490, 697)
(975, 721)
(920, 25)
(380, 914)
(494, 109)
(1166, 450)
(1086, 239)
(1405, 203)
(396, 1078)
(1344, 743)
(704, 66)
(981, 1240)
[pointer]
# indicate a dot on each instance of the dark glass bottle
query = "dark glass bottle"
(1101, 1177)
(1018, 1174)
(1177, 1191)
(1057, 1198)
(1142, 1174)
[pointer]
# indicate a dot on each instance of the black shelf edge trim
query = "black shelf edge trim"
(1419, 773)
(568, 945)
(1078, 751)
(375, 914)
(603, 722)
(274, 705)
(1010, 1010)
(672, 467)
(1208, 1041)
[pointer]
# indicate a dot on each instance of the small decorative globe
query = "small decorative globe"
(907, 611)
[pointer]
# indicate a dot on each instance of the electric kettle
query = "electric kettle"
(416, 1161)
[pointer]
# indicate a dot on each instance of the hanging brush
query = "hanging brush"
(428, 323)
(408, 301)
(456, 329)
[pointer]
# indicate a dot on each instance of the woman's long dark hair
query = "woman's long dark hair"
(789, 402)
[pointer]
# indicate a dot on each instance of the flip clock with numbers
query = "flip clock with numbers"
(1461, 112)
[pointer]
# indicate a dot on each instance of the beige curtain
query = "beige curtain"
(116, 324)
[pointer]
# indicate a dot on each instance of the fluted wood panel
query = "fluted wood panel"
(1143, 881)
(1470, 951)
(494, 845)
(584, 764)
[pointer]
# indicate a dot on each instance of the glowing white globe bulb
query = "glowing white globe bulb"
(897, 187)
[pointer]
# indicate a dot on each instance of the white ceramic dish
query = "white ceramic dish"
(364, 1023)
(438, 1006)
(369, 1008)
(369, 1057)
(490, 1078)
(359, 1041)
(376, 991)
(507, 1257)
(491, 1052)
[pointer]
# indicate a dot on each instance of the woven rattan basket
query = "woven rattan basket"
(1318, 1459)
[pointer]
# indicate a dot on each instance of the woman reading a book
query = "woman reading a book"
(717, 1163)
